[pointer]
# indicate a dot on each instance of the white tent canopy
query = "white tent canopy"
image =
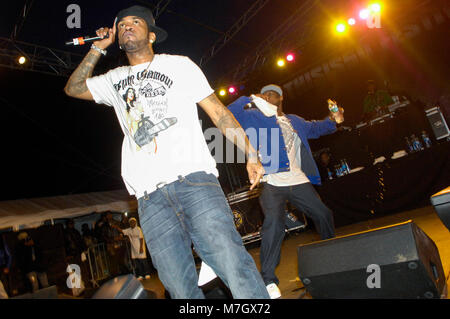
(28, 213)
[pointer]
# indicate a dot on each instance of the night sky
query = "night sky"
(56, 145)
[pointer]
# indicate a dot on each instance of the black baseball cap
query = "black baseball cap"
(147, 15)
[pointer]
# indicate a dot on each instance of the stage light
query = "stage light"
(340, 27)
(222, 92)
(290, 57)
(351, 21)
(375, 7)
(231, 90)
(281, 62)
(364, 14)
(22, 60)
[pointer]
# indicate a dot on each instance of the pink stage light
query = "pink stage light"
(232, 90)
(290, 57)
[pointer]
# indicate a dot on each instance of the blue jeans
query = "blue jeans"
(194, 210)
(273, 200)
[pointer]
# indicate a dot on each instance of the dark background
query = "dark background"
(56, 145)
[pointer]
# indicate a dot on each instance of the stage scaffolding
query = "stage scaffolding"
(40, 58)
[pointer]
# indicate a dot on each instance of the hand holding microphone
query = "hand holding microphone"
(105, 37)
(108, 36)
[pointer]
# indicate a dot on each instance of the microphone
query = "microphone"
(86, 39)
(249, 105)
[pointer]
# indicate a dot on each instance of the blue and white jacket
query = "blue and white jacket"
(265, 135)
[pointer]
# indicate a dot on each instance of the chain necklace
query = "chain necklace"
(144, 73)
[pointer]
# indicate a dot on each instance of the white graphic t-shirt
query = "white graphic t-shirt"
(156, 106)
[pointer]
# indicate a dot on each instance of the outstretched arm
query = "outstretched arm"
(76, 86)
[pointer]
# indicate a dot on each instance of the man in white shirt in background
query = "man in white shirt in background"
(138, 251)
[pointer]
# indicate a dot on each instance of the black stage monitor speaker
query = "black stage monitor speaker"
(441, 203)
(122, 287)
(399, 261)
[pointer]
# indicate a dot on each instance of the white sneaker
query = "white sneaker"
(206, 274)
(140, 278)
(274, 291)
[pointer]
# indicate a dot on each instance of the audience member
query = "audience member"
(102, 229)
(31, 262)
(111, 237)
(88, 236)
(75, 249)
(5, 266)
(74, 243)
(124, 223)
(325, 167)
(138, 251)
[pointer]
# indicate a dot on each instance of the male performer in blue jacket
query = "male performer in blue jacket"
(290, 170)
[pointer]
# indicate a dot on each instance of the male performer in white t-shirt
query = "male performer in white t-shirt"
(166, 162)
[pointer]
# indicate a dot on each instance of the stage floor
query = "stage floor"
(292, 288)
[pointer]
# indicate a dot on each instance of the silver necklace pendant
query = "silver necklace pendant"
(144, 74)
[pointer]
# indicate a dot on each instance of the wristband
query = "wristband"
(96, 48)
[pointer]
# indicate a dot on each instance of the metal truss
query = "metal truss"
(277, 41)
(295, 33)
(43, 59)
(235, 28)
(23, 15)
(160, 7)
(40, 58)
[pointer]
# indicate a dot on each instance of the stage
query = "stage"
(291, 288)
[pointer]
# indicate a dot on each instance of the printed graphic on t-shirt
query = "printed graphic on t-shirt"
(149, 91)
(146, 106)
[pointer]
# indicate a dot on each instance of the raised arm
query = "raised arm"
(226, 123)
(76, 85)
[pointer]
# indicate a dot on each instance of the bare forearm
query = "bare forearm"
(232, 130)
(76, 85)
(229, 126)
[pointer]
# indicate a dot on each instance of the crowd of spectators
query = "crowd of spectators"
(122, 242)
